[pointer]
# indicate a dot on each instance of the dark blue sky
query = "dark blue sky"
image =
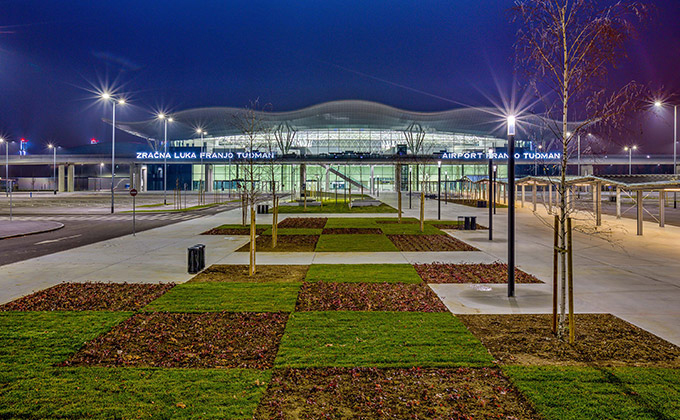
(183, 54)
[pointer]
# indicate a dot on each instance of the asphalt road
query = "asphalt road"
(79, 231)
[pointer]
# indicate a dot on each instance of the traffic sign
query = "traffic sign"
(133, 192)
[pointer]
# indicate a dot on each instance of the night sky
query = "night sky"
(420, 55)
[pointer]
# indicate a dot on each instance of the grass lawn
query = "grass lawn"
(409, 229)
(294, 231)
(355, 243)
(379, 339)
(86, 392)
(592, 393)
(351, 222)
(329, 206)
(35, 340)
(231, 297)
(365, 273)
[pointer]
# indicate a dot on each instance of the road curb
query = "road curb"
(34, 232)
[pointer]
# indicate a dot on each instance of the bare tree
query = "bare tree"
(415, 142)
(567, 49)
(250, 122)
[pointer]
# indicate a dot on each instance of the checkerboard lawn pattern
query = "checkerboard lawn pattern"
(345, 361)
(379, 235)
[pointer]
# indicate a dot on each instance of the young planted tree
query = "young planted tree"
(271, 145)
(251, 124)
(567, 48)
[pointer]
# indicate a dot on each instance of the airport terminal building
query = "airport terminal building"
(330, 146)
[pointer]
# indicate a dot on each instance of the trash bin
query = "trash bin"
(262, 208)
(196, 258)
(473, 222)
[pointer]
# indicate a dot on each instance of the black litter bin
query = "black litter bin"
(262, 208)
(196, 258)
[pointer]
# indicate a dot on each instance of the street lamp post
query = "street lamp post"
(2, 140)
(410, 180)
(630, 158)
(446, 188)
(660, 104)
(511, 206)
(439, 190)
(200, 183)
(107, 96)
(491, 195)
(165, 156)
(54, 165)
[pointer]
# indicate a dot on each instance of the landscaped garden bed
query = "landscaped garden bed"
(379, 339)
(263, 274)
(303, 222)
(330, 206)
(325, 296)
(234, 230)
(209, 340)
(370, 393)
(355, 243)
(285, 243)
(352, 231)
(601, 339)
(366, 273)
(430, 243)
(90, 296)
(456, 226)
(228, 296)
(470, 273)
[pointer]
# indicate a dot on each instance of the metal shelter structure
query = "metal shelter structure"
(617, 184)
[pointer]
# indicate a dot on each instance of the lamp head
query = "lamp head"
(121, 101)
(50, 145)
(170, 119)
(625, 148)
(161, 116)
(511, 125)
(658, 103)
(439, 164)
(634, 147)
(106, 96)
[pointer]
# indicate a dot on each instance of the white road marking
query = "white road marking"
(56, 240)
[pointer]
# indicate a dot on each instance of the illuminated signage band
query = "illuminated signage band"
(204, 155)
(502, 156)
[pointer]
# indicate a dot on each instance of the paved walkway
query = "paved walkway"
(617, 272)
(14, 228)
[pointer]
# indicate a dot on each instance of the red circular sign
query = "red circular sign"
(133, 192)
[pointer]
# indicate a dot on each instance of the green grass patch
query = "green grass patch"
(351, 222)
(202, 206)
(410, 229)
(355, 243)
(381, 339)
(294, 231)
(230, 297)
(363, 273)
(599, 393)
(125, 393)
(34, 340)
(329, 206)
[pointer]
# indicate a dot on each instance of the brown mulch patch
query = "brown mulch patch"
(458, 226)
(471, 273)
(352, 231)
(90, 297)
(233, 231)
(429, 243)
(264, 274)
(371, 393)
(323, 296)
(601, 339)
(396, 221)
(285, 243)
(303, 222)
(210, 340)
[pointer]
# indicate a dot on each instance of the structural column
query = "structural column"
(640, 210)
(209, 178)
(533, 195)
(597, 193)
(303, 177)
(372, 186)
(550, 198)
(618, 202)
(523, 194)
(70, 182)
(662, 208)
(134, 177)
(60, 178)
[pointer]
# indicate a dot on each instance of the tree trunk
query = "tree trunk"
(275, 222)
(251, 271)
(422, 210)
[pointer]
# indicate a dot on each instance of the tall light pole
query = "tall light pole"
(410, 180)
(439, 190)
(202, 133)
(540, 147)
(54, 165)
(578, 146)
(120, 101)
(2, 140)
(491, 194)
(511, 206)
(165, 120)
(630, 158)
(660, 104)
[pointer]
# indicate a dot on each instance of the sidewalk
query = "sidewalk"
(14, 228)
